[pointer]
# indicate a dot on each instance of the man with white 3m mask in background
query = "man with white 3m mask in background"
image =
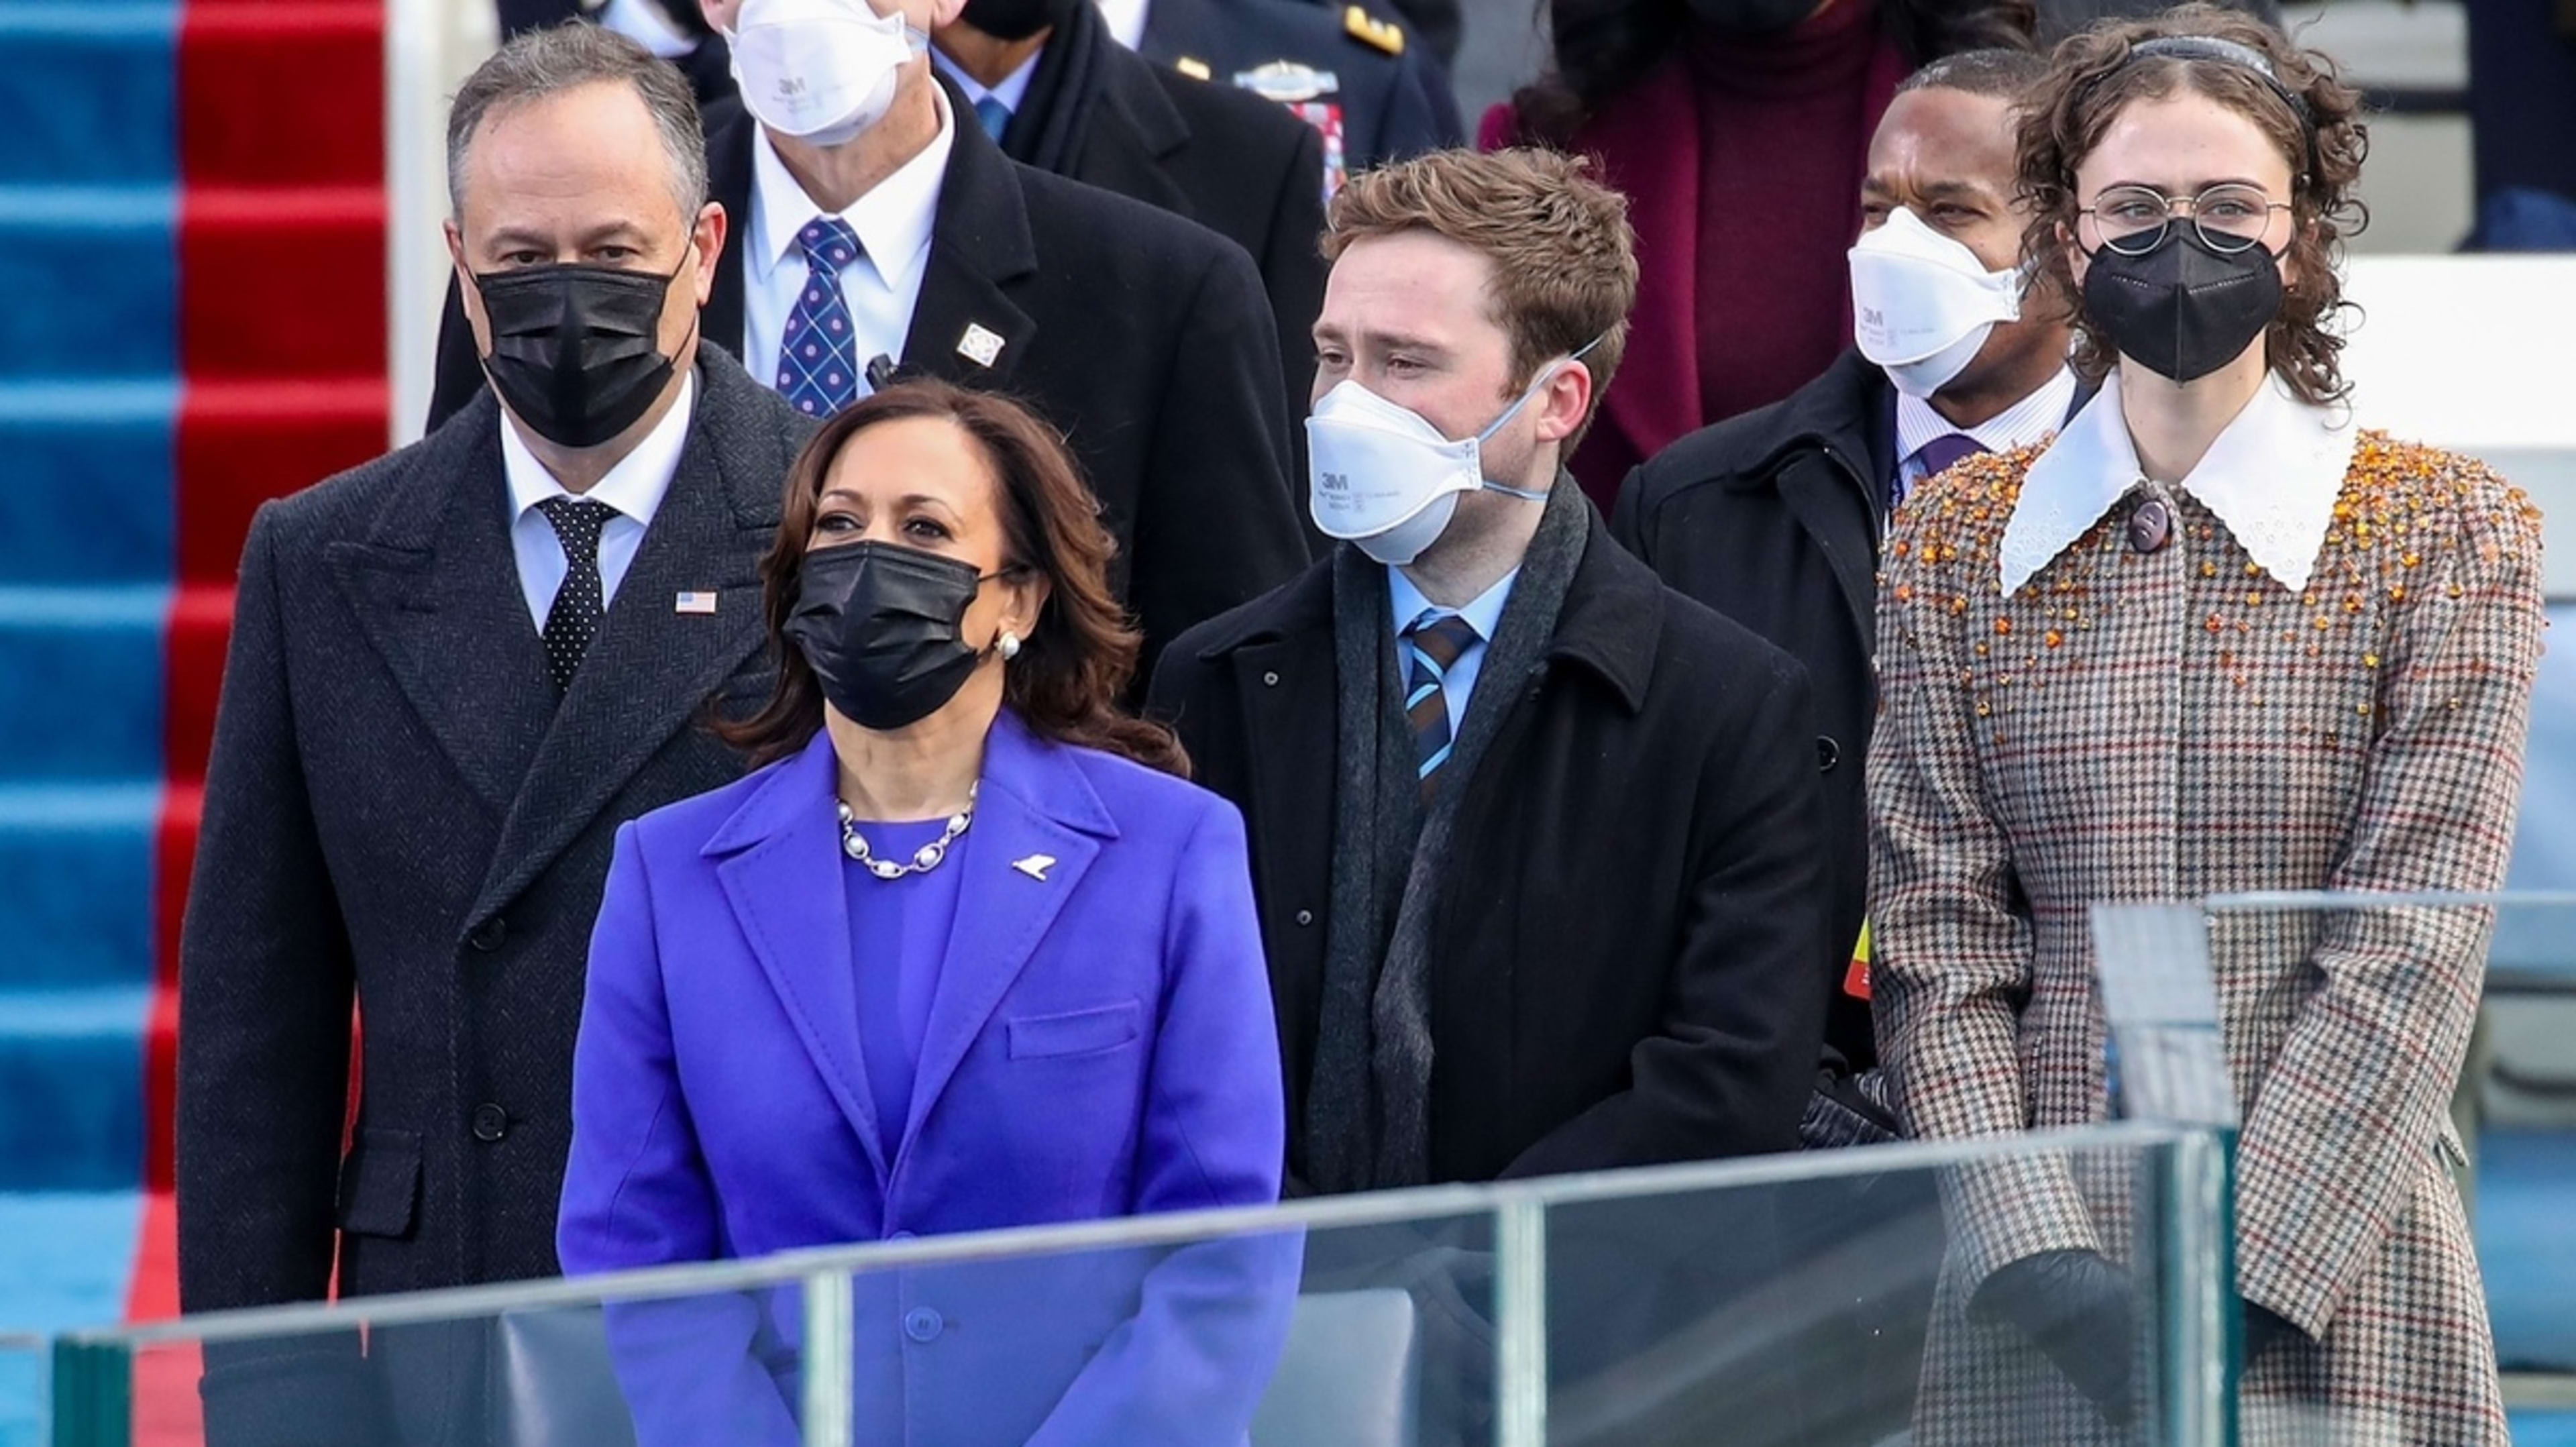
(879, 231)
(1774, 518)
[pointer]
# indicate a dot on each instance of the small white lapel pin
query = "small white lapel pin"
(1035, 866)
(694, 602)
(979, 345)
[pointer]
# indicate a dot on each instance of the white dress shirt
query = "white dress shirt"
(893, 222)
(2272, 476)
(2026, 423)
(1126, 20)
(1484, 614)
(635, 487)
(1013, 88)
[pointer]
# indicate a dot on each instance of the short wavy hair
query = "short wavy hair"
(1564, 256)
(2093, 76)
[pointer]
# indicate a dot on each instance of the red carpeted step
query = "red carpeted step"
(201, 616)
(282, 94)
(270, 281)
(245, 441)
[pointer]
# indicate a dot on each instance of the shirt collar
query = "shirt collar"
(893, 220)
(1013, 88)
(2272, 475)
(635, 486)
(1126, 20)
(1484, 613)
(2026, 423)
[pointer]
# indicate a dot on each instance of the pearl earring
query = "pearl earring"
(1008, 645)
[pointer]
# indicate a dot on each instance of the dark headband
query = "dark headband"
(2226, 52)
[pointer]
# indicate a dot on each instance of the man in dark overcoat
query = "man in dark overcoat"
(454, 672)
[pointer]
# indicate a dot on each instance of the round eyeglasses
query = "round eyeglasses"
(2230, 218)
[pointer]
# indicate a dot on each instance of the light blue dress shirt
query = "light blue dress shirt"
(1484, 614)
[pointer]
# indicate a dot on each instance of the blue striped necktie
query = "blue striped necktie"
(1436, 641)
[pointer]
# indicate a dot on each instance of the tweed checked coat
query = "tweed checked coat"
(2167, 723)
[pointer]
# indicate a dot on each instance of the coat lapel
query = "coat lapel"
(652, 669)
(435, 587)
(779, 861)
(1134, 128)
(980, 245)
(1034, 802)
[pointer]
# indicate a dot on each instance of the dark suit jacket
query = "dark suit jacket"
(1773, 518)
(1622, 951)
(1234, 163)
(400, 814)
(1143, 337)
(1388, 106)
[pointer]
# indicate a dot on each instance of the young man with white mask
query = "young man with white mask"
(879, 230)
(1535, 839)
(1774, 518)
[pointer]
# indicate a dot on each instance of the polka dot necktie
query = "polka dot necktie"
(817, 358)
(1437, 642)
(574, 619)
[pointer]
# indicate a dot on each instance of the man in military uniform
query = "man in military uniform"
(1342, 68)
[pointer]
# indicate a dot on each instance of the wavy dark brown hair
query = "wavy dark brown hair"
(1067, 678)
(2092, 78)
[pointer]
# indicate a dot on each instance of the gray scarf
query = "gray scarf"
(1368, 1101)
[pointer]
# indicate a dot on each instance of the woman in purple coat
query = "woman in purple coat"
(966, 953)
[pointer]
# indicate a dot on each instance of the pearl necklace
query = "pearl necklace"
(924, 859)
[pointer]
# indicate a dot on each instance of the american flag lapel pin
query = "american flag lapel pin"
(980, 345)
(693, 601)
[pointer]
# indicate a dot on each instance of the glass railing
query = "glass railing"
(1780, 1300)
(2381, 1192)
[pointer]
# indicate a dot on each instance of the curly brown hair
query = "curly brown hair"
(1066, 680)
(2093, 77)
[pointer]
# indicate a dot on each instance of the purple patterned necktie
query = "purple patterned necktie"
(817, 368)
(1936, 457)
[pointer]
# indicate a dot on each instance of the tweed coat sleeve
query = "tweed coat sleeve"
(266, 984)
(1951, 939)
(2351, 1106)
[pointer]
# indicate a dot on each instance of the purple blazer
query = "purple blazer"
(1100, 1044)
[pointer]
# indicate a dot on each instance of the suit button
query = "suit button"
(2151, 526)
(488, 935)
(1305, 916)
(1270, 679)
(491, 1123)
(1828, 753)
(922, 1324)
(900, 1236)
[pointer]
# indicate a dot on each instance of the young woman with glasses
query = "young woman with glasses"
(2212, 639)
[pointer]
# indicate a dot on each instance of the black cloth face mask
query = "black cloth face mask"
(1014, 19)
(880, 625)
(2183, 310)
(1752, 17)
(576, 349)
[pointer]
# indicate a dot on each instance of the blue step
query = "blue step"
(69, 1259)
(87, 666)
(92, 274)
(88, 92)
(86, 491)
(71, 1068)
(2542, 1427)
(76, 887)
(23, 1395)
(2526, 1249)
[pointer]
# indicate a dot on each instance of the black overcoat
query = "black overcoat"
(1146, 339)
(1772, 518)
(401, 816)
(1622, 952)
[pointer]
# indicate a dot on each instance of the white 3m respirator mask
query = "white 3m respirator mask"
(1380, 477)
(1922, 303)
(820, 70)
